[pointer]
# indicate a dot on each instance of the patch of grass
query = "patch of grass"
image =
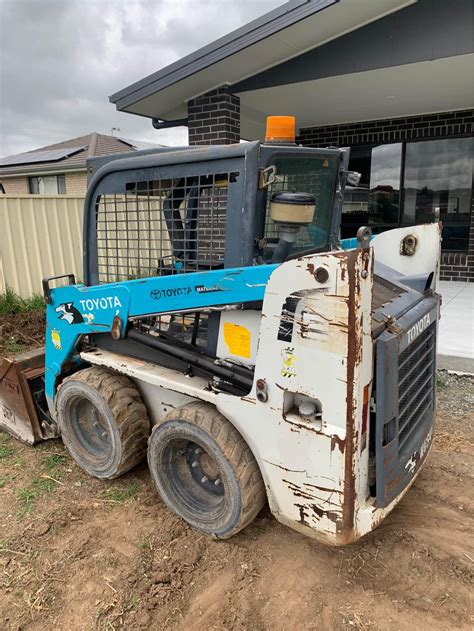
(12, 345)
(440, 382)
(122, 493)
(28, 496)
(11, 303)
(43, 486)
(49, 445)
(5, 479)
(52, 461)
(34, 303)
(6, 451)
(145, 542)
(132, 602)
(19, 462)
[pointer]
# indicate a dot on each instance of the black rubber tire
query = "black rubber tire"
(102, 421)
(241, 492)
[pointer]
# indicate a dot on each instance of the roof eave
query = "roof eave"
(268, 24)
(44, 170)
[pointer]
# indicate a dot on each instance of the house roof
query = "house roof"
(288, 31)
(69, 155)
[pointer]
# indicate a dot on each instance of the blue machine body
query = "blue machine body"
(77, 310)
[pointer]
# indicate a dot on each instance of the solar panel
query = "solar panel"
(49, 155)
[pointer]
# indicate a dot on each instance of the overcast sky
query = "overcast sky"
(61, 59)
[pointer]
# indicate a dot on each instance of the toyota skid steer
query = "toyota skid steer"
(225, 331)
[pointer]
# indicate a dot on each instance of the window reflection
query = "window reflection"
(375, 201)
(438, 174)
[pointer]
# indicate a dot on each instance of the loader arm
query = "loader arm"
(77, 310)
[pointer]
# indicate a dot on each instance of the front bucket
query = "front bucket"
(23, 409)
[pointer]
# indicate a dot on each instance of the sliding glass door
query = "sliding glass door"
(403, 184)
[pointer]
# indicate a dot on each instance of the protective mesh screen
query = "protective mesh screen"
(163, 227)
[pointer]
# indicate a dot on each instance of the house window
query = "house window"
(438, 174)
(403, 184)
(47, 185)
(375, 202)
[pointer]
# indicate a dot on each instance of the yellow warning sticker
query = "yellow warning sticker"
(56, 339)
(288, 366)
(237, 338)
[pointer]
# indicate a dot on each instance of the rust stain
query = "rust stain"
(248, 399)
(322, 488)
(388, 459)
(298, 492)
(285, 469)
(310, 268)
(303, 514)
(341, 325)
(353, 358)
(395, 482)
(330, 514)
(339, 442)
(303, 425)
(318, 513)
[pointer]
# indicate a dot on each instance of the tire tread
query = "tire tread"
(128, 410)
(235, 450)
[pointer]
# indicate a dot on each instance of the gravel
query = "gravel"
(455, 394)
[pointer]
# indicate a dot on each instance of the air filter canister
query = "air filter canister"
(292, 208)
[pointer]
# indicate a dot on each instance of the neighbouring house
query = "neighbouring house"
(60, 169)
(391, 79)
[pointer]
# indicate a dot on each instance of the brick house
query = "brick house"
(391, 79)
(59, 169)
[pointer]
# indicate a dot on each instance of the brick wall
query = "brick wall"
(454, 265)
(390, 130)
(15, 185)
(460, 265)
(76, 183)
(214, 118)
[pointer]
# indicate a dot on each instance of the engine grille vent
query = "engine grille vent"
(416, 384)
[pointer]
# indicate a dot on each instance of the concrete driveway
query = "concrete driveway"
(456, 327)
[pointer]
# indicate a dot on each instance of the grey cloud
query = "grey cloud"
(61, 59)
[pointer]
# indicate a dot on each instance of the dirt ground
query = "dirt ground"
(21, 331)
(80, 554)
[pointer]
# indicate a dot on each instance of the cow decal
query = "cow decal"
(67, 311)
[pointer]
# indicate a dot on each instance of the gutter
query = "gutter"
(53, 171)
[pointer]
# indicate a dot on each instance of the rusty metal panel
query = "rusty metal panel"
(405, 399)
(41, 236)
(18, 412)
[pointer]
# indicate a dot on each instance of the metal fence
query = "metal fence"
(40, 235)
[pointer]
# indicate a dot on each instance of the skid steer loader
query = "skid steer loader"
(225, 331)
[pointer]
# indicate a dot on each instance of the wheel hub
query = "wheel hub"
(203, 469)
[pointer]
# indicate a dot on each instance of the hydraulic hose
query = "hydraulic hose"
(235, 374)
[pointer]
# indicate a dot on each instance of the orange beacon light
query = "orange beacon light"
(280, 129)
